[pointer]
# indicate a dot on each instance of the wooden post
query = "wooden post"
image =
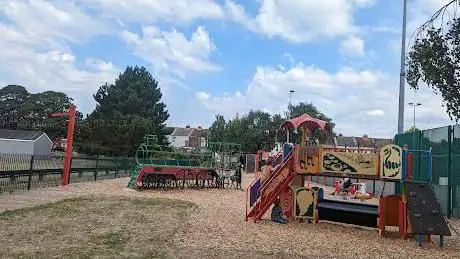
(30, 172)
(381, 218)
(95, 170)
(116, 166)
(68, 152)
(70, 169)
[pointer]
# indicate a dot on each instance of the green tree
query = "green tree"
(218, 129)
(412, 130)
(34, 113)
(259, 130)
(11, 99)
(252, 131)
(310, 109)
(21, 110)
(434, 59)
(276, 134)
(125, 112)
(234, 130)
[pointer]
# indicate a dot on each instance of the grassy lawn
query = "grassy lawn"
(93, 227)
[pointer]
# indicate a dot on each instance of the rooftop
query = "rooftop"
(181, 132)
(19, 134)
(365, 142)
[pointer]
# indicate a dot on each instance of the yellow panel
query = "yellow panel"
(349, 163)
(391, 162)
(308, 159)
(304, 203)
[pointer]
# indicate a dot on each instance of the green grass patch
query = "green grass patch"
(93, 227)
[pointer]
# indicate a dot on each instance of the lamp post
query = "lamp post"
(414, 105)
(290, 98)
(402, 73)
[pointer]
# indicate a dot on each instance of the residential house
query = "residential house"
(364, 142)
(180, 136)
(25, 142)
(199, 138)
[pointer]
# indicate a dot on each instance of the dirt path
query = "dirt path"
(217, 227)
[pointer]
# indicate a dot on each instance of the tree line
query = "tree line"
(259, 130)
(125, 111)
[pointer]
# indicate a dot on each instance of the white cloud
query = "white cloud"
(37, 34)
(364, 3)
(50, 21)
(359, 102)
(375, 113)
(183, 11)
(352, 46)
(386, 28)
(428, 6)
(54, 70)
(300, 21)
(171, 52)
(421, 10)
(202, 96)
(100, 65)
(37, 56)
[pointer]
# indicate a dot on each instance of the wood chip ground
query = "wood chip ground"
(217, 227)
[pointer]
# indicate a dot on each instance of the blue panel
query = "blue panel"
(253, 195)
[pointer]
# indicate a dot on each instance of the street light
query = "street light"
(414, 105)
(402, 74)
(290, 98)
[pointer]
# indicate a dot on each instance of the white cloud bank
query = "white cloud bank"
(300, 21)
(359, 102)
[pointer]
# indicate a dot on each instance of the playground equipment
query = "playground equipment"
(262, 156)
(228, 162)
(160, 167)
(68, 152)
(413, 208)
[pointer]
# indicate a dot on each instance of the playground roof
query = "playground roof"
(311, 123)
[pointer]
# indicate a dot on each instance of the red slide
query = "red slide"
(272, 188)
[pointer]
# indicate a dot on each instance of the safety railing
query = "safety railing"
(26, 172)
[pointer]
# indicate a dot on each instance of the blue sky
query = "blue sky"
(224, 56)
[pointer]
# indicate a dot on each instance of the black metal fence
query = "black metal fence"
(25, 172)
(445, 175)
(250, 166)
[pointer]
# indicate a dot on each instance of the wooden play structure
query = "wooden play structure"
(413, 207)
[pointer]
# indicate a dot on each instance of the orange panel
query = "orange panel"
(308, 159)
(391, 210)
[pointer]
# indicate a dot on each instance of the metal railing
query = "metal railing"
(25, 172)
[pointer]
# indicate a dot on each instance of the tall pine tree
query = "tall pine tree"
(125, 112)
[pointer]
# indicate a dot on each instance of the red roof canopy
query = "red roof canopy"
(305, 119)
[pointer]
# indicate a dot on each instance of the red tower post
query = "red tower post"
(68, 152)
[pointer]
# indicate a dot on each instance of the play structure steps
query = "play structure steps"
(134, 174)
(262, 197)
(424, 210)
